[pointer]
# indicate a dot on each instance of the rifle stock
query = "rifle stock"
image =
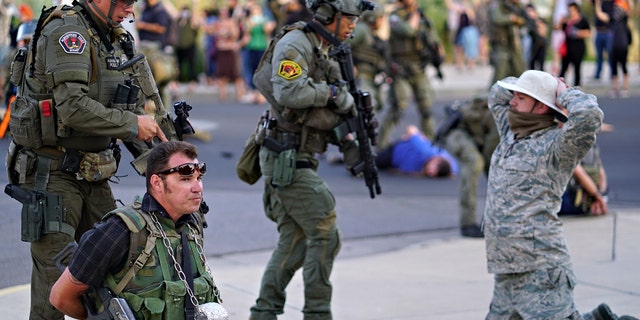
(364, 124)
(173, 129)
(142, 73)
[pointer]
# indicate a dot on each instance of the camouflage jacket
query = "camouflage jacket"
(526, 181)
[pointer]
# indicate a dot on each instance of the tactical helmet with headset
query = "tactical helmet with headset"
(371, 16)
(113, 3)
(325, 10)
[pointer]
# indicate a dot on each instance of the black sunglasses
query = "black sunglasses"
(187, 169)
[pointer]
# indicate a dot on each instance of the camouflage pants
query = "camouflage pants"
(304, 212)
(540, 294)
(402, 87)
(460, 144)
(84, 204)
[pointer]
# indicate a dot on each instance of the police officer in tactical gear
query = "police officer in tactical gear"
(469, 133)
(370, 54)
(308, 99)
(411, 36)
(506, 56)
(69, 111)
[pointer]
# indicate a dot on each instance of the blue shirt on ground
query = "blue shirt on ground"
(410, 155)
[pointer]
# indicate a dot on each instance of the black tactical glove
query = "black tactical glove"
(341, 100)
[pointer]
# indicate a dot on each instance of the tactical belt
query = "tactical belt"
(303, 165)
(41, 181)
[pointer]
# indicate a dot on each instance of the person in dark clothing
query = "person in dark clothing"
(576, 29)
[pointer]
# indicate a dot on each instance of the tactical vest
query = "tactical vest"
(368, 54)
(66, 48)
(311, 126)
(502, 35)
(406, 49)
(148, 281)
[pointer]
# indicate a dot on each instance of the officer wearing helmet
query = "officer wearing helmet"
(370, 54)
(308, 99)
(412, 37)
(67, 152)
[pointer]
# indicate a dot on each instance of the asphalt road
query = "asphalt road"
(407, 204)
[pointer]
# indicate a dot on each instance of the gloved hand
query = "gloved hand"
(350, 153)
(342, 101)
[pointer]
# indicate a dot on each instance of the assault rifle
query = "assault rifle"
(113, 307)
(430, 52)
(364, 124)
(173, 129)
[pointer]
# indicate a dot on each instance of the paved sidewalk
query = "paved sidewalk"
(430, 279)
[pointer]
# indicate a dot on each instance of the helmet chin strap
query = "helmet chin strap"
(107, 18)
(338, 17)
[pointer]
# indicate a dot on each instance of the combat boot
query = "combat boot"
(602, 312)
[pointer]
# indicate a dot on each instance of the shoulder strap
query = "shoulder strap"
(136, 221)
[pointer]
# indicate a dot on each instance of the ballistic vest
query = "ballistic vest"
(69, 49)
(148, 281)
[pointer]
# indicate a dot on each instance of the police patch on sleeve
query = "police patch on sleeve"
(73, 42)
(289, 69)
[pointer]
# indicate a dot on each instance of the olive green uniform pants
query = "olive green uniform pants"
(304, 212)
(402, 87)
(84, 203)
(461, 145)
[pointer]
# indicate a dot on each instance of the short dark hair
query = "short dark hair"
(444, 168)
(574, 4)
(158, 158)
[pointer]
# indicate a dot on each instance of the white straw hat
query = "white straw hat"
(539, 85)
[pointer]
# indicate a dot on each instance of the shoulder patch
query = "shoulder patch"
(73, 42)
(289, 69)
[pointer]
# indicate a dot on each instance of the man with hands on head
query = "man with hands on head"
(526, 248)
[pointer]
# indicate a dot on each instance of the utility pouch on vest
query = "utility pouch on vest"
(47, 122)
(24, 122)
(284, 168)
(17, 66)
(25, 164)
(71, 161)
(98, 166)
(10, 162)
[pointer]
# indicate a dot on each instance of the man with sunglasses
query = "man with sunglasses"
(167, 214)
(66, 149)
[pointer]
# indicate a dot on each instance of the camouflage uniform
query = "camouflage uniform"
(406, 47)
(472, 142)
(75, 72)
(526, 249)
(504, 37)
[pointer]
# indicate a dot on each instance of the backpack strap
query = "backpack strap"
(136, 221)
